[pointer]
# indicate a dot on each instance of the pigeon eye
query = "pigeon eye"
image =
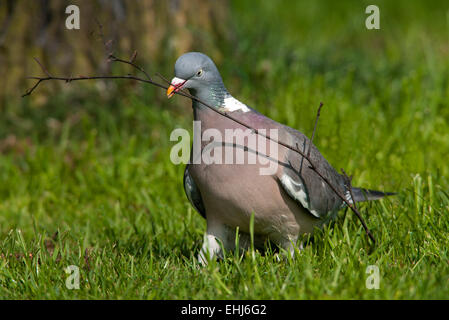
(199, 73)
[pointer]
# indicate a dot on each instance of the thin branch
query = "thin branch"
(134, 56)
(314, 128)
(42, 67)
(107, 44)
(87, 259)
(348, 182)
(362, 221)
(163, 78)
(131, 63)
(70, 79)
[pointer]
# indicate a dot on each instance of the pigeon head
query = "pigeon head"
(197, 72)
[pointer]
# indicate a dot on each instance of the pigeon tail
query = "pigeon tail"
(361, 194)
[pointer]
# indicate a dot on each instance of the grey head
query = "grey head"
(197, 72)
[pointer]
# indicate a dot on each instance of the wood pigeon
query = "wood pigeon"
(286, 203)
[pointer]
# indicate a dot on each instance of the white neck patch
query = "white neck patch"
(231, 104)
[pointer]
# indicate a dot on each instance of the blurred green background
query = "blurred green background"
(85, 172)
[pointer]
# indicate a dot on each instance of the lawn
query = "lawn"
(87, 180)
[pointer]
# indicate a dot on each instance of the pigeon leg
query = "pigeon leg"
(290, 245)
(216, 237)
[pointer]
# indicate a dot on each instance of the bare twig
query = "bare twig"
(107, 44)
(42, 67)
(134, 56)
(87, 259)
(356, 211)
(70, 79)
(131, 63)
(312, 166)
(314, 128)
(163, 78)
(348, 182)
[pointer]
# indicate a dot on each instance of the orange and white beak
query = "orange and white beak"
(175, 85)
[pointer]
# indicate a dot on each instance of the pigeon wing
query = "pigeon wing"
(303, 184)
(193, 193)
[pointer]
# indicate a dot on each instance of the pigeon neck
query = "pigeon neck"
(214, 96)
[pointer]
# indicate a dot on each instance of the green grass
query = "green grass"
(96, 170)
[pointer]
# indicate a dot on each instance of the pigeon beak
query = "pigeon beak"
(171, 91)
(175, 86)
